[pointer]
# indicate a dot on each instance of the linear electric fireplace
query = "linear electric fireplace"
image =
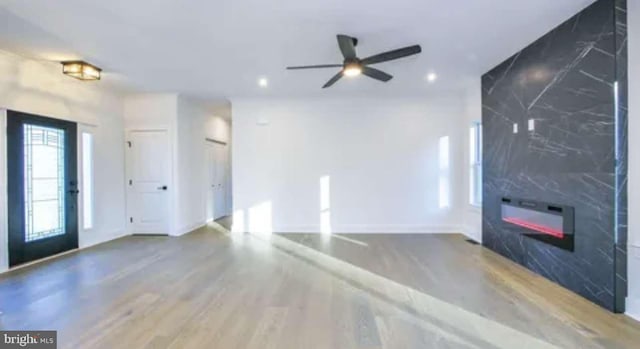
(550, 223)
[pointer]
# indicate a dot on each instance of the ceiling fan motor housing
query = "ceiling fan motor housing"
(352, 61)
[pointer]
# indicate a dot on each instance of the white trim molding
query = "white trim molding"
(189, 228)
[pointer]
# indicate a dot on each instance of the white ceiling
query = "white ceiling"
(215, 49)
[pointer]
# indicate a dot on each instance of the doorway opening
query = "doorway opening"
(218, 198)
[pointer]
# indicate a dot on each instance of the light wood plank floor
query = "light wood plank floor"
(208, 289)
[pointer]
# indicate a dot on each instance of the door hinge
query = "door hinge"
(130, 182)
(129, 143)
(130, 219)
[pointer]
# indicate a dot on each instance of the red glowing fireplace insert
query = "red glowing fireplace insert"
(550, 223)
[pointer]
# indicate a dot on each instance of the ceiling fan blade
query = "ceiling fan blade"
(315, 66)
(391, 55)
(376, 74)
(347, 47)
(333, 80)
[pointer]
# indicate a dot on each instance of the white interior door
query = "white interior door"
(221, 175)
(148, 183)
(218, 180)
(211, 182)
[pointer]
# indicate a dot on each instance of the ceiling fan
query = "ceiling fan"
(354, 66)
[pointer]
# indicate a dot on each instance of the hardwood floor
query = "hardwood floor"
(471, 277)
(208, 289)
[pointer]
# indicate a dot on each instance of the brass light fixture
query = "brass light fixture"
(81, 70)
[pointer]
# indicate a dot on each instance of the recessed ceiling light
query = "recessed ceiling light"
(263, 82)
(432, 77)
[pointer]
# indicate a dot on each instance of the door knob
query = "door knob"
(164, 187)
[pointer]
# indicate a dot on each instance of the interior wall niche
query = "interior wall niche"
(567, 94)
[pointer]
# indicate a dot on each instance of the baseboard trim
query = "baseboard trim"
(189, 228)
(111, 236)
(471, 233)
(633, 308)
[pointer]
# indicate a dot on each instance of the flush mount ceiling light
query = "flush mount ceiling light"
(263, 82)
(352, 69)
(432, 77)
(81, 70)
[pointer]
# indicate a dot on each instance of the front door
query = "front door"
(42, 186)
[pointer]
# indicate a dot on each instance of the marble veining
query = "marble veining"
(576, 156)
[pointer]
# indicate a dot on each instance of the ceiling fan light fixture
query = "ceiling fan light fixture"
(81, 70)
(353, 66)
(352, 70)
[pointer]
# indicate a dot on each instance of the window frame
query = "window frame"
(475, 164)
(87, 189)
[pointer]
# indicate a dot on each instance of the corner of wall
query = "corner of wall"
(189, 228)
(472, 216)
(472, 227)
(633, 308)
(88, 240)
(633, 296)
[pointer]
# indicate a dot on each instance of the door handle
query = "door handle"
(164, 187)
(74, 191)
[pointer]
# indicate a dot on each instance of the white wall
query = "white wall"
(40, 88)
(195, 124)
(472, 113)
(188, 123)
(151, 111)
(381, 156)
(633, 300)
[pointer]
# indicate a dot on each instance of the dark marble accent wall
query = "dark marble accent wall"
(564, 82)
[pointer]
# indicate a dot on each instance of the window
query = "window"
(475, 185)
(87, 180)
(44, 182)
